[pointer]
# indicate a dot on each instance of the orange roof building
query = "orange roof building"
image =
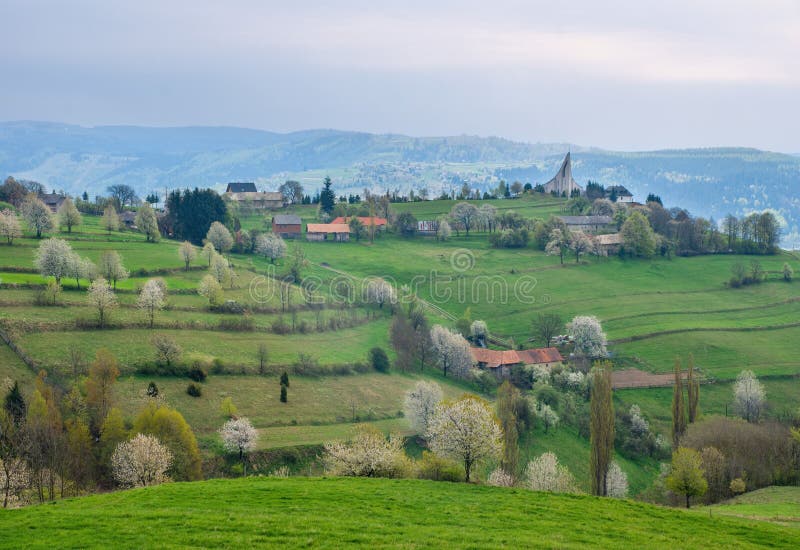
(500, 362)
(366, 220)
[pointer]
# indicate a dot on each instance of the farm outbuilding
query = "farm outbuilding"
(321, 231)
(288, 226)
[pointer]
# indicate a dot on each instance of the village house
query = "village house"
(245, 194)
(339, 232)
(367, 221)
(288, 226)
(500, 363)
(591, 224)
(619, 193)
(611, 243)
(128, 218)
(53, 201)
(427, 227)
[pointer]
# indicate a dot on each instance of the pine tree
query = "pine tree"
(15, 404)
(692, 390)
(284, 394)
(601, 427)
(327, 199)
(678, 412)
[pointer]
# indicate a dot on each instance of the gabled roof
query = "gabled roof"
(52, 198)
(620, 190)
(496, 358)
(256, 196)
(241, 187)
(366, 220)
(328, 228)
(540, 355)
(286, 219)
(586, 220)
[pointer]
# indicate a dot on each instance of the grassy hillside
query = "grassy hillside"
(331, 513)
(776, 504)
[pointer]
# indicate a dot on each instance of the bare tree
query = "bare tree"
(546, 326)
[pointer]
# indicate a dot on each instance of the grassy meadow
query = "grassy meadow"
(374, 513)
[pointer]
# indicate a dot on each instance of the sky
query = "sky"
(618, 74)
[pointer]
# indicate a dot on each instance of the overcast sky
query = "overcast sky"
(617, 74)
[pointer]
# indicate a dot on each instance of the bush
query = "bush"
(237, 324)
(197, 373)
(437, 468)
(378, 359)
(194, 390)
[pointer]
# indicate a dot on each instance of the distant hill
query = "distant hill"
(710, 182)
(374, 513)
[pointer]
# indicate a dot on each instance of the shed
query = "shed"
(287, 226)
(320, 231)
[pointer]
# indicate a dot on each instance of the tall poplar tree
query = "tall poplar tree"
(678, 409)
(692, 390)
(601, 426)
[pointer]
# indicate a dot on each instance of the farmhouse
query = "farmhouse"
(320, 231)
(246, 194)
(591, 224)
(427, 227)
(619, 193)
(380, 223)
(563, 183)
(611, 243)
(501, 362)
(52, 200)
(287, 226)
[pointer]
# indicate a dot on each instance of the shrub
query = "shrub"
(237, 324)
(197, 373)
(437, 468)
(378, 359)
(194, 390)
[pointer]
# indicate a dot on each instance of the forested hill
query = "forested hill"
(709, 182)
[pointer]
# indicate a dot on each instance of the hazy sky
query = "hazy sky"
(617, 74)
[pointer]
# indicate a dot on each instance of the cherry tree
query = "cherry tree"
(420, 404)
(546, 474)
(37, 215)
(9, 226)
(219, 236)
(239, 435)
(451, 350)
(590, 340)
(141, 462)
(53, 259)
(368, 454)
(465, 430)
(380, 292)
(749, 396)
(271, 246)
(616, 481)
(68, 215)
(187, 252)
(151, 299)
(102, 298)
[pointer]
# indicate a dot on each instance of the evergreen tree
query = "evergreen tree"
(285, 379)
(284, 394)
(692, 390)
(678, 412)
(327, 198)
(15, 404)
(601, 436)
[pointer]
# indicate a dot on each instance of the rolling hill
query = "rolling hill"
(709, 182)
(379, 513)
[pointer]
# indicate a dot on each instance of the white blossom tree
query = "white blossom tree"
(239, 436)
(141, 462)
(544, 473)
(147, 223)
(151, 299)
(9, 226)
(443, 232)
(102, 298)
(211, 290)
(111, 267)
(219, 236)
(368, 454)
(380, 292)
(500, 478)
(590, 340)
(558, 243)
(465, 430)
(616, 481)
(547, 415)
(36, 214)
(479, 331)
(220, 269)
(464, 215)
(580, 244)
(749, 396)
(271, 245)
(53, 259)
(208, 252)
(81, 268)
(68, 216)
(420, 404)
(451, 350)
(110, 219)
(188, 253)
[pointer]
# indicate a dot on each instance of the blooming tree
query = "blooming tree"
(9, 226)
(616, 482)
(451, 350)
(53, 259)
(465, 430)
(68, 215)
(420, 404)
(140, 462)
(749, 396)
(151, 299)
(380, 292)
(220, 268)
(479, 330)
(188, 253)
(102, 298)
(111, 267)
(211, 290)
(590, 340)
(444, 231)
(547, 415)
(368, 454)
(239, 436)
(81, 268)
(271, 246)
(36, 214)
(499, 478)
(219, 236)
(147, 223)
(110, 220)
(546, 474)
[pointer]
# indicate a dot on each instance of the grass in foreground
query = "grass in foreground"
(369, 512)
(775, 504)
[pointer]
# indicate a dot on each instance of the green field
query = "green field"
(375, 513)
(775, 504)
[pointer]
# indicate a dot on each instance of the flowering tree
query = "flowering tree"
(53, 259)
(479, 331)
(558, 243)
(748, 396)
(110, 220)
(239, 435)
(220, 268)
(102, 298)
(451, 350)
(616, 482)
(271, 246)
(546, 474)
(368, 454)
(9, 226)
(208, 252)
(68, 215)
(443, 232)
(36, 214)
(151, 299)
(547, 415)
(499, 478)
(420, 404)
(188, 253)
(590, 340)
(211, 290)
(219, 236)
(380, 292)
(147, 223)
(140, 462)
(111, 267)
(465, 430)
